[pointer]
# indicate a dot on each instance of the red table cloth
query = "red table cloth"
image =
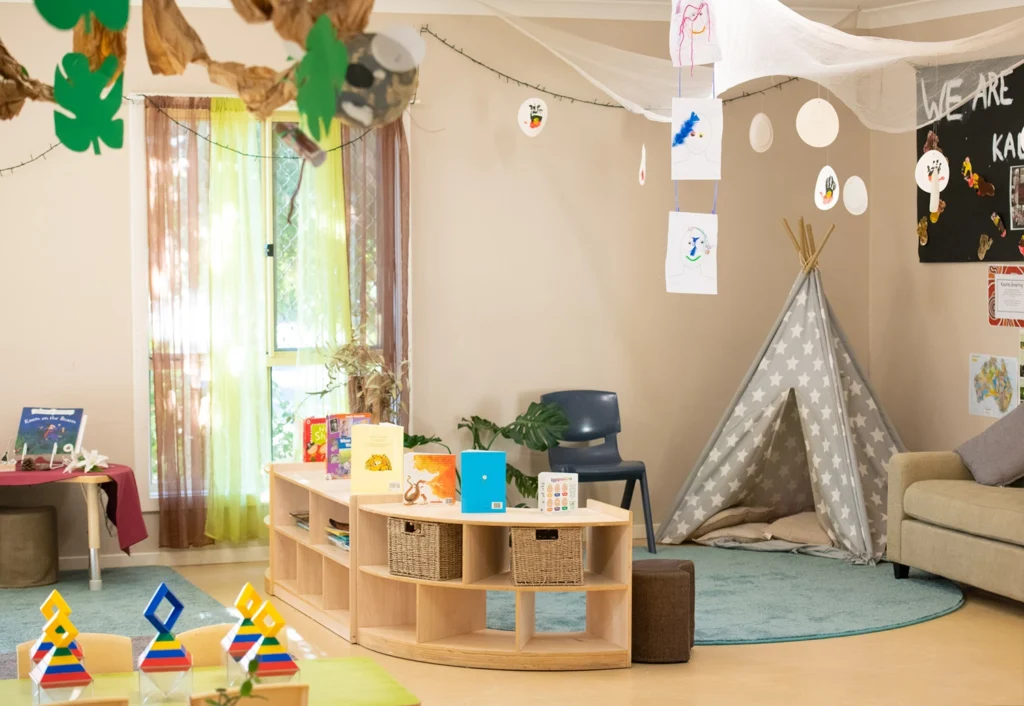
(124, 509)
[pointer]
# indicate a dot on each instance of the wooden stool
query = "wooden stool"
(28, 546)
(663, 606)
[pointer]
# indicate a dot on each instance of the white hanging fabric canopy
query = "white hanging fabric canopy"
(878, 79)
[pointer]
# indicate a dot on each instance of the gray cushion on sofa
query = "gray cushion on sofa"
(996, 456)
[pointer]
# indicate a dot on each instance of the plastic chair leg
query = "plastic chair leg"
(627, 494)
(648, 521)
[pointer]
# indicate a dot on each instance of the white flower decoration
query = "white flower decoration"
(91, 460)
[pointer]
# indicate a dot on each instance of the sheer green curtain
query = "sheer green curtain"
(239, 418)
(324, 320)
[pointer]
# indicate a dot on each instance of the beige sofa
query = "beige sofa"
(942, 521)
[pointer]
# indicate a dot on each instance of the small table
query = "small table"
(362, 682)
(123, 505)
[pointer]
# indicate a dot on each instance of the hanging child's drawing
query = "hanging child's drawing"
(696, 139)
(691, 260)
(533, 116)
(826, 189)
(692, 33)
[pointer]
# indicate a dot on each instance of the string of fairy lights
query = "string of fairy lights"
(425, 29)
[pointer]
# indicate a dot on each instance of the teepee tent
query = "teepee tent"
(803, 433)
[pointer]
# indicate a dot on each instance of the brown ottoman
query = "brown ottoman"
(663, 605)
(28, 546)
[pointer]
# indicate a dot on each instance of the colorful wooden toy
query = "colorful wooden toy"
(272, 659)
(241, 638)
(164, 653)
(53, 604)
(60, 668)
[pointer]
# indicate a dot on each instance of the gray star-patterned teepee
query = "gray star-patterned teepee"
(803, 432)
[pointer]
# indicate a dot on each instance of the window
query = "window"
(333, 265)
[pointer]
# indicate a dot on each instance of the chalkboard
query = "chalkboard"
(989, 130)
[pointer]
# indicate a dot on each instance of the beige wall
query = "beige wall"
(926, 319)
(537, 264)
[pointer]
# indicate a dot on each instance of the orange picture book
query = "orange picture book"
(429, 478)
(314, 440)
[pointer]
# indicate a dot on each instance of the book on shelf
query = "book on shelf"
(483, 481)
(339, 443)
(43, 430)
(300, 515)
(429, 479)
(314, 440)
(336, 532)
(302, 524)
(336, 524)
(340, 542)
(377, 451)
(557, 492)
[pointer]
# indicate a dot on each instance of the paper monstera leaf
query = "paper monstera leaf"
(321, 77)
(80, 93)
(65, 14)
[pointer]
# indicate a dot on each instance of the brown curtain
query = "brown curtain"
(376, 172)
(177, 164)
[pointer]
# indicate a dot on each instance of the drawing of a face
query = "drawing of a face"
(700, 136)
(695, 18)
(696, 244)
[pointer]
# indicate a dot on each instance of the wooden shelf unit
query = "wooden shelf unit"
(445, 622)
(306, 571)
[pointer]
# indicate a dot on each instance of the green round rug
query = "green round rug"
(751, 596)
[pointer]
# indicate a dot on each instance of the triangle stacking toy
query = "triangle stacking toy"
(272, 659)
(60, 667)
(53, 604)
(164, 653)
(244, 634)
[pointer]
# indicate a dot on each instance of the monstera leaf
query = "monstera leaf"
(539, 428)
(65, 14)
(320, 77)
(81, 94)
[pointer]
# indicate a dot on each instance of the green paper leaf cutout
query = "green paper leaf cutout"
(321, 77)
(81, 94)
(65, 14)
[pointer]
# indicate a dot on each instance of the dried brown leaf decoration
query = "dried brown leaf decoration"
(99, 43)
(16, 86)
(254, 11)
(922, 231)
(984, 243)
(171, 43)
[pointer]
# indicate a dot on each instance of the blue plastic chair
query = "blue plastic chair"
(595, 415)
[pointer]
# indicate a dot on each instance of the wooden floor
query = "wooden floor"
(972, 656)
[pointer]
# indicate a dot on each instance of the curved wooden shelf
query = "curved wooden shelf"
(496, 649)
(513, 517)
(445, 622)
(503, 582)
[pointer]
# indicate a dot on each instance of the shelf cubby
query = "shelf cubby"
(307, 571)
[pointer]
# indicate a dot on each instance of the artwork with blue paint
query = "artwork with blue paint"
(696, 139)
(691, 259)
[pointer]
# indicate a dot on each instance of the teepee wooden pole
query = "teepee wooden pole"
(804, 252)
(810, 239)
(792, 239)
(813, 262)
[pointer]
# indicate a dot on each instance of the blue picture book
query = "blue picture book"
(483, 481)
(42, 427)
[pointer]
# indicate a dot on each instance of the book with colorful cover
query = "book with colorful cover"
(429, 479)
(42, 427)
(339, 443)
(377, 451)
(314, 440)
(483, 481)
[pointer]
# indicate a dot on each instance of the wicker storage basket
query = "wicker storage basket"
(544, 556)
(424, 550)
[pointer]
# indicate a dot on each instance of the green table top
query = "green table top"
(347, 681)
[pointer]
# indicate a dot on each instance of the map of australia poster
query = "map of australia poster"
(993, 385)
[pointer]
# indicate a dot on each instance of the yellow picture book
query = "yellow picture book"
(377, 458)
